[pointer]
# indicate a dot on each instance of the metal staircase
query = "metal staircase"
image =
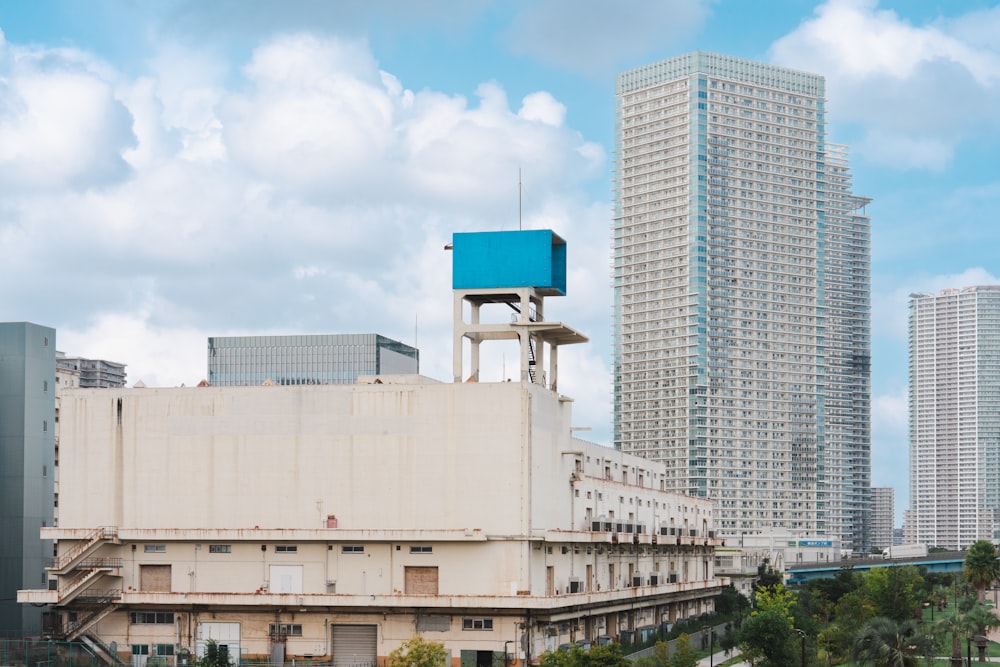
(89, 544)
(102, 651)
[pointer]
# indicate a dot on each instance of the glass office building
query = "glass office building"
(741, 281)
(306, 359)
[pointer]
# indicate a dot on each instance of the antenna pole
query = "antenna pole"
(519, 188)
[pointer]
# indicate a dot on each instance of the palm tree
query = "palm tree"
(884, 643)
(981, 620)
(981, 567)
(957, 626)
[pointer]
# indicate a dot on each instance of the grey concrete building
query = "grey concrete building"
(27, 451)
(93, 373)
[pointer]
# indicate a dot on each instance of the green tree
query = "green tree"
(766, 639)
(896, 592)
(216, 655)
(731, 601)
(767, 576)
(418, 652)
(683, 653)
(981, 567)
(883, 642)
(957, 626)
(981, 620)
(609, 655)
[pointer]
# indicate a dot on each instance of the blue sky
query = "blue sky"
(175, 170)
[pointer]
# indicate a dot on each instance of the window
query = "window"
(285, 629)
(477, 623)
(155, 548)
(286, 548)
(352, 549)
(164, 649)
(140, 649)
(220, 548)
(421, 549)
(151, 618)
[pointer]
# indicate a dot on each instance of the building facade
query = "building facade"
(883, 517)
(954, 416)
(741, 296)
(306, 359)
(338, 521)
(93, 373)
(27, 467)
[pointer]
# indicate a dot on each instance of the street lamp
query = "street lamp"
(802, 636)
(711, 645)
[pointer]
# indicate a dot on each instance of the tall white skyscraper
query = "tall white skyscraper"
(954, 416)
(883, 516)
(741, 285)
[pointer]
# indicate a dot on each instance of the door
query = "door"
(355, 645)
(225, 635)
(285, 579)
(154, 578)
(421, 580)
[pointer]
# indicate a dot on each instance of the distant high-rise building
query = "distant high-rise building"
(27, 453)
(306, 359)
(883, 513)
(741, 329)
(955, 416)
(94, 373)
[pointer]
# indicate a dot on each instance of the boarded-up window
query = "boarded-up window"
(421, 581)
(154, 578)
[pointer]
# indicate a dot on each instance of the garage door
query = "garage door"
(421, 580)
(154, 578)
(354, 645)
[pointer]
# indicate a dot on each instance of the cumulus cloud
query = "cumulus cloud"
(919, 90)
(303, 190)
(595, 37)
(61, 124)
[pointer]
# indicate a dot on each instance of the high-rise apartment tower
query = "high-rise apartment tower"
(883, 516)
(954, 416)
(741, 295)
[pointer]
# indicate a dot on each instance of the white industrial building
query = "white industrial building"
(336, 522)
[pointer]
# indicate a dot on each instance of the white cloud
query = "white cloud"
(60, 122)
(312, 193)
(890, 304)
(918, 89)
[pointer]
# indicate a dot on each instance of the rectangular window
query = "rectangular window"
(286, 548)
(164, 649)
(155, 548)
(421, 549)
(220, 548)
(352, 549)
(151, 617)
(140, 649)
(285, 629)
(477, 623)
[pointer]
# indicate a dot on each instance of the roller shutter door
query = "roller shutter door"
(354, 645)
